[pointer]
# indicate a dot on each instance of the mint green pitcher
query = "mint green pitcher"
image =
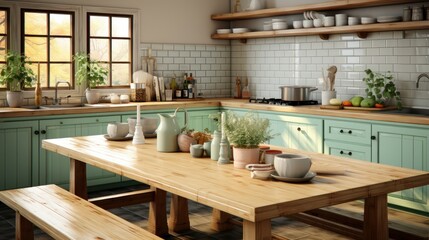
(167, 132)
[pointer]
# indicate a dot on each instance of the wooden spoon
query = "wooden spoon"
(332, 70)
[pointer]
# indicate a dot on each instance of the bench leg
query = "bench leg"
(179, 215)
(158, 213)
(375, 218)
(220, 220)
(24, 228)
(78, 178)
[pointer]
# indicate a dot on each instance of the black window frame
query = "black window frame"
(7, 35)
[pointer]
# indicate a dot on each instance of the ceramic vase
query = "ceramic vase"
(92, 96)
(244, 156)
(215, 146)
(14, 99)
(184, 141)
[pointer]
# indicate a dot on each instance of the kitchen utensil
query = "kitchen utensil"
(126, 138)
(167, 132)
(117, 130)
(306, 178)
(297, 24)
(329, 21)
(332, 70)
(353, 21)
(318, 22)
(197, 150)
(328, 95)
(292, 165)
(308, 23)
(341, 19)
(296, 93)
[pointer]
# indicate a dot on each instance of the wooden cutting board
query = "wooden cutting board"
(331, 107)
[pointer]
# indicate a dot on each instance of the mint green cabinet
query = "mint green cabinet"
(18, 154)
(54, 168)
(349, 150)
(407, 147)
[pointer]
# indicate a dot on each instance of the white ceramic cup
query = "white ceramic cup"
(297, 24)
(329, 21)
(149, 124)
(132, 124)
(308, 23)
(292, 165)
(318, 22)
(328, 95)
(341, 19)
(117, 129)
(353, 21)
(269, 156)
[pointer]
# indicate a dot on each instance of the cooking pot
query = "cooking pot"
(296, 93)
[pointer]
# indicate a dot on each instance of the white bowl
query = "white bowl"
(149, 125)
(329, 21)
(353, 21)
(367, 20)
(318, 22)
(223, 31)
(297, 24)
(308, 23)
(261, 174)
(279, 25)
(240, 30)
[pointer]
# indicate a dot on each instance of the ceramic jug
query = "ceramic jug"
(167, 132)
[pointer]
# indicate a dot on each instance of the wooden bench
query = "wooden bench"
(64, 215)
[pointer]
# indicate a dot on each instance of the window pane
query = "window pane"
(99, 49)
(3, 42)
(60, 24)
(60, 49)
(43, 71)
(120, 27)
(121, 50)
(99, 26)
(107, 80)
(3, 23)
(60, 72)
(36, 48)
(36, 23)
(120, 74)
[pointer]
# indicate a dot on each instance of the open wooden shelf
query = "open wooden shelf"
(324, 32)
(326, 6)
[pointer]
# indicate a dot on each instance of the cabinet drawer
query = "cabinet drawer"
(348, 131)
(348, 150)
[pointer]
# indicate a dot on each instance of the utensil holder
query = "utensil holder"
(328, 95)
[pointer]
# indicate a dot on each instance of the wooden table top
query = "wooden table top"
(232, 190)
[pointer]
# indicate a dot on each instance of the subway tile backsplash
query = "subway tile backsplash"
(273, 62)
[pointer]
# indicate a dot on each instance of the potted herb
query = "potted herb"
(246, 133)
(380, 88)
(91, 74)
(16, 75)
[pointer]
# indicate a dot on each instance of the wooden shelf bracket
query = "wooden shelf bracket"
(243, 40)
(362, 35)
(324, 36)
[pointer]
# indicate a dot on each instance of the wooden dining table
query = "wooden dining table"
(231, 191)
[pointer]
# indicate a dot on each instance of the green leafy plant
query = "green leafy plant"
(15, 74)
(381, 88)
(247, 131)
(89, 72)
(216, 117)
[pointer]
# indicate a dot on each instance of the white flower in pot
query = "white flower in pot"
(246, 133)
(90, 73)
(16, 75)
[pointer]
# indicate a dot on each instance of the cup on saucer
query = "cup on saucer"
(117, 129)
(292, 165)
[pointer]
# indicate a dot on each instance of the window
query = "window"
(110, 42)
(48, 40)
(4, 36)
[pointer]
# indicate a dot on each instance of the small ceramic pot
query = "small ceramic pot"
(207, 148)
(244, 156)
(197, 150)
(185, 142)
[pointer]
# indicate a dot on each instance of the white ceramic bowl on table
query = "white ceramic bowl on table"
(292, 165)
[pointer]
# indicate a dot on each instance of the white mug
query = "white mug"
(292, 165)
(117, 129)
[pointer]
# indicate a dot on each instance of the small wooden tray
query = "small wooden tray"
(371, 109)
(331, 107)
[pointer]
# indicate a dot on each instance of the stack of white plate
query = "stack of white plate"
(367, 20)
(311, 15)
(223, 31)
(240, 30)
(279, 24)
(385, 19)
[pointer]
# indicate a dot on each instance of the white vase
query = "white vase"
(92, 96)
(14, 99)
(244, 156)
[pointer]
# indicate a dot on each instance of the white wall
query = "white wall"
(167, 21)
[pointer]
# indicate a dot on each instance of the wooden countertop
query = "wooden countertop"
(387, 116)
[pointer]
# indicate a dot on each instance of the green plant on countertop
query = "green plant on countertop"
(247, 131)
(381, 88)
(89, 72)
(15, 74)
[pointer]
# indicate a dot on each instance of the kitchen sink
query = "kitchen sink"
(412, 111)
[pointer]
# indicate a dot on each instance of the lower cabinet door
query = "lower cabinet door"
(54, 168)
(403, 147)
(348, 150)
(18, 154)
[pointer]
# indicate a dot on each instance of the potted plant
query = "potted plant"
(16, 75)
(90, 73)
(381, 89)
(246, 133)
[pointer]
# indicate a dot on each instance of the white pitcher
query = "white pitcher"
(167, 132)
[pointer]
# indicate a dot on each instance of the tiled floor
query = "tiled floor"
(200, 217)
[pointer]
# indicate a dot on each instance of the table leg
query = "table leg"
(158, 213)
(220, 220)
(375, 218)
(179, 215)
(78, 178)
(257, 230)
(23, 227)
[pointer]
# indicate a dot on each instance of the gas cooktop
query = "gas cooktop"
(280, 102)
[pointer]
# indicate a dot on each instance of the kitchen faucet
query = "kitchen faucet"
(56, 100)
(419, 77)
